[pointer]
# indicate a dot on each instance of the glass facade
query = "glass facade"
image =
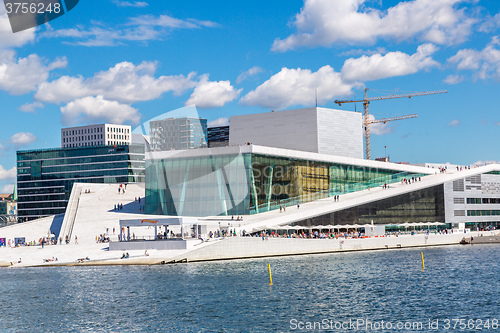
(251, 183)
(218, 136)
(201, 186)
(425, 205)
(45, 177)
(178, 133)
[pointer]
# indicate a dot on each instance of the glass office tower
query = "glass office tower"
(45, 177)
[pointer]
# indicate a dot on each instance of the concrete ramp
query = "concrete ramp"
(32, 230)
(96, 213)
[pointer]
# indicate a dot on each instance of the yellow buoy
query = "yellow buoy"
(423, 265)
(270, 276)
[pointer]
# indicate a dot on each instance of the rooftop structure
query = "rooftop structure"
(178, 133)
(317, 130)
(96, 135)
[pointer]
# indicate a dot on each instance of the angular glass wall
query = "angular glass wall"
(250, 183)
(280, 181)
(198, 186)
(425, 205)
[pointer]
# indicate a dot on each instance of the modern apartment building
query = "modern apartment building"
(178, 133)
(96, 135)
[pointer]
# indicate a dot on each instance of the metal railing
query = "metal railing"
(71, 210)
(337, 190)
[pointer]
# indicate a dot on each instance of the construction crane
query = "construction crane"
(366, 120)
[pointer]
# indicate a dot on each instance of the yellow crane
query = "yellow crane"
(366, 120)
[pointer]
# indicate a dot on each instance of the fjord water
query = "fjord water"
(459, 282)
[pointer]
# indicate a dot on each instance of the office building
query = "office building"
(45, 177)
(218, 136)
(96, 135)
(178, 133)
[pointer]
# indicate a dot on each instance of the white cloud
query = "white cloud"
(136, 4)
(379, 128)
(8, 38)
(454, 123)
(211, 94)
(297, 87)
(245, 75)
(165, 21)
(20, 76)
(325, 22)
(10, 174)
(453, 79)
(7, 189)
(218, 122)
(484, 63)
(31, 107)
(356, 52)
(377, 66)
(22, 139)
(91, 109)
(125, 83)
(139, 29)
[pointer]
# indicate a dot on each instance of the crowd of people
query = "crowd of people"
(102, 238)
(411, 180)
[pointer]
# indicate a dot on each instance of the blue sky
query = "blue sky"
(129, 61)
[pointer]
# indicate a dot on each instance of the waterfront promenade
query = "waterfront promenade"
(222, 249)
(96, 215)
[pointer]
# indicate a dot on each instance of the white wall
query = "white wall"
(317, 130)
(293, 129)
(340, 133)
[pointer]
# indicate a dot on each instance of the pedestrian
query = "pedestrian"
(281, 209)
(119, 189)
(284, 208)
(76, 239)
(298, 205)
(113, 230)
